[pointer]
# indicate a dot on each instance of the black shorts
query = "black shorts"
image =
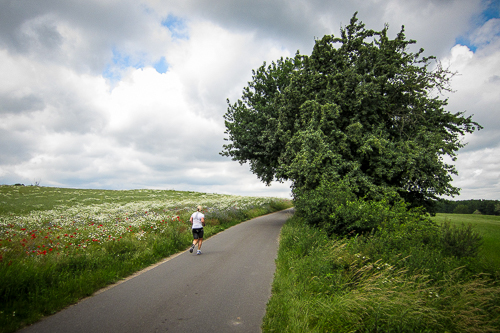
(198, 233)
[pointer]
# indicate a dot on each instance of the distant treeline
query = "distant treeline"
(485, 207)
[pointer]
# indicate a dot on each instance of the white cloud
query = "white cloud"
(477, 87)
(146, 130)
(479, 175)
(434, 24)
(487, 34)
(82, 106)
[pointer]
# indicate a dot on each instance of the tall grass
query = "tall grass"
(63, 247)
(333, 285)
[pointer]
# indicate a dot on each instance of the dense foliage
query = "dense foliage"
(361, 109)
(486, 207)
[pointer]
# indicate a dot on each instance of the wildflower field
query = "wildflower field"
(60, 245)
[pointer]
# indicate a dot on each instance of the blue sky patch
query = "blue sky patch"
(462, 40)
(492, 11)
(177, 26)
(161, 66)
(120, 62)
(123, 60)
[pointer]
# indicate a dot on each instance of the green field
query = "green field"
(25, 199)
(489, 228)
(60, 245)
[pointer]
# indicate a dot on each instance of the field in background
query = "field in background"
(487, 225)
(60, 245)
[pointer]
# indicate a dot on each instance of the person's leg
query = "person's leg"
(195, 241)
(200, 240)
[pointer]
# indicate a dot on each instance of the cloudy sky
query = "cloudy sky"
(126, 94)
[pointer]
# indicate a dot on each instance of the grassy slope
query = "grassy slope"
(24, 199)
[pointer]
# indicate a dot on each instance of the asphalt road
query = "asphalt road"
(225, 289)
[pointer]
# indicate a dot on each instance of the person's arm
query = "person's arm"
(203, 221)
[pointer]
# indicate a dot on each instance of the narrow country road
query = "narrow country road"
(225, 289)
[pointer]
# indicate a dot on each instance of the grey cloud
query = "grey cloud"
(15, 105)
(480, 140)
(293, 23)
(32, 26)
(296, 23)
(40, 36)
(15, 147)
(483, 112)
(494, 79)
(12, 15)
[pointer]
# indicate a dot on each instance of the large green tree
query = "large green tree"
(362, 109)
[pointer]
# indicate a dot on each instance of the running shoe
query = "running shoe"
(191, 249)
(198, 252)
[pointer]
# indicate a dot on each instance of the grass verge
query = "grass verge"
(333, 285)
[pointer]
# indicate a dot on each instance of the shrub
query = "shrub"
(316, 206)
(411, 240)
(335, 207)
(360, 216)
(460, 242)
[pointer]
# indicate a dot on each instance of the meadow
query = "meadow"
(398, 280)
(60, 245)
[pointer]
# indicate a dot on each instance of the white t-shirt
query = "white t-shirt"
(197, 216)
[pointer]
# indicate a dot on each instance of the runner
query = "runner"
(198, 221)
